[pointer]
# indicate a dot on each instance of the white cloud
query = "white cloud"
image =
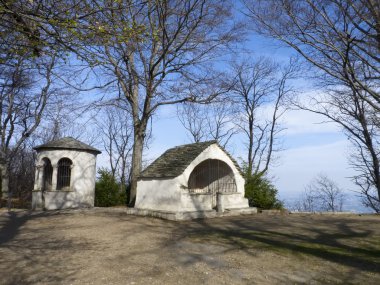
(298, 122)
(299, 165)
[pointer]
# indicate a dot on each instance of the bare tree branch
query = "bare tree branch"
(340, 42)
(261, 86)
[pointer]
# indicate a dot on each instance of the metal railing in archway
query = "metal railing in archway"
(212, 176)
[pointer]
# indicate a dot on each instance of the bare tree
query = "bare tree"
(361, 125)
(25, 87)
(193, 118)
(156, 53)
(322, 194)
(340, 41)
(340, 38)
(214, 121)
(306, 203)
(61, 117)
(261, 86)
(117, 139)
(34, 36)
(21, 175)
(29, 51)
(221, 122)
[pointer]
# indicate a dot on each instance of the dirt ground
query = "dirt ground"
(97, 247)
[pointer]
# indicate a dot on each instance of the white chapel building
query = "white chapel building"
(65, 175)
(197, 177)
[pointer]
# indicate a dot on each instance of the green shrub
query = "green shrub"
(108, 192)
(261, 193)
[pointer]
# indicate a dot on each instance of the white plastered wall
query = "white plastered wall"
(172, 194)
(82, 185)
(158, 194)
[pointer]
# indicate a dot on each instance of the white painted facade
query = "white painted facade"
(80, 193)
(173, 195)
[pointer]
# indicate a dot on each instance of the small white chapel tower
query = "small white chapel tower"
(65, 175)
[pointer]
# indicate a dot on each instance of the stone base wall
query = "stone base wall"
(55, 200)
(190, 215)
(233, 201)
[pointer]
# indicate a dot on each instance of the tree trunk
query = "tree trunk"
(5, 183)
(250, 148)
(136, 164)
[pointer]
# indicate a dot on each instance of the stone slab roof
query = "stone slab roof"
(67, 143)
(174, 161)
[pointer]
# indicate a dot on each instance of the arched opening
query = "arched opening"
(64, 174)
(47, 175)
(212, 176)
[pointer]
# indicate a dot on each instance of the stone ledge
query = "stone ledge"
(183, 216)
(172, 216)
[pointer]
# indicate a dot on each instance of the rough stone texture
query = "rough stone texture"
(68, 143)
(175, 160)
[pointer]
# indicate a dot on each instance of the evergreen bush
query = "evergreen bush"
(108, 192)
(261, 193)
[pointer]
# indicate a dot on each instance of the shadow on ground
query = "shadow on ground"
(76, 247)
(355, 244)
(36, 254)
